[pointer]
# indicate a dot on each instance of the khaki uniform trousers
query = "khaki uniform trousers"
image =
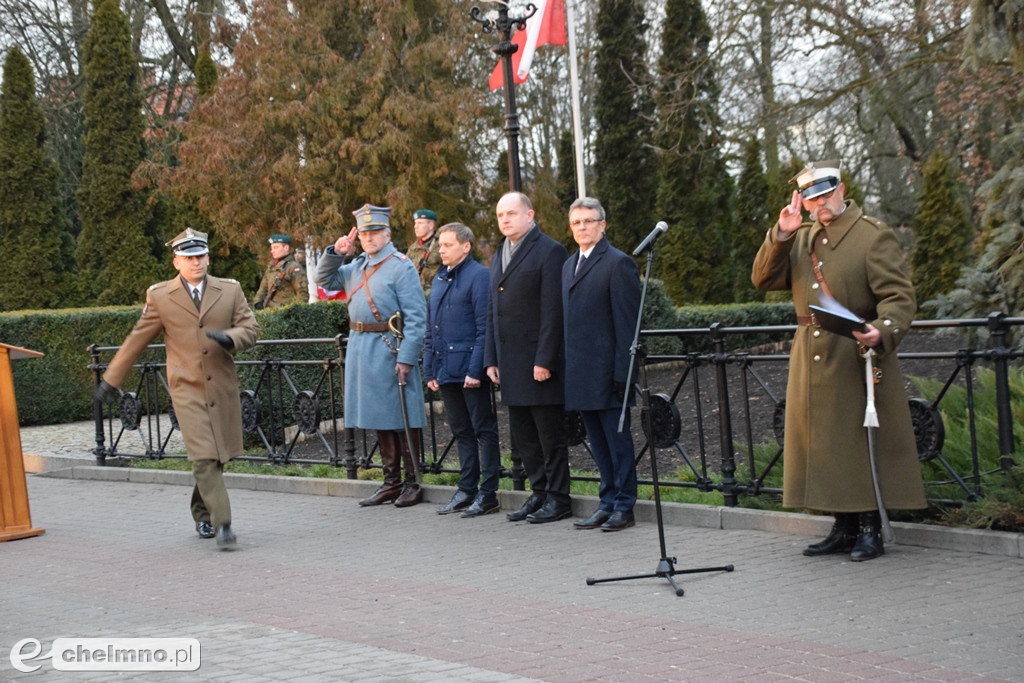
(210, 501)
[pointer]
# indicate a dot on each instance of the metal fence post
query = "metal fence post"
(999, 354)
(719, 358)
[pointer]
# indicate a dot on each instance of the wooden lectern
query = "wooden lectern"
(15, 521)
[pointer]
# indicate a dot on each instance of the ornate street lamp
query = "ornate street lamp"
(507, 15)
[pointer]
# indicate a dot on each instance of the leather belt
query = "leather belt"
(807, 321)
(367, 327)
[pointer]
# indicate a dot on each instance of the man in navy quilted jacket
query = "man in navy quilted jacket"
(453, 363)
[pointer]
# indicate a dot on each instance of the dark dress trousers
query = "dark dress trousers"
(600, 304)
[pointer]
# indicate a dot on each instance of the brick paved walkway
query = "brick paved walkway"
(322, 590)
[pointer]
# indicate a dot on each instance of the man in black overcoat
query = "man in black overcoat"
(523, 354)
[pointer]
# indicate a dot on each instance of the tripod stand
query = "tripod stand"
(666, 565)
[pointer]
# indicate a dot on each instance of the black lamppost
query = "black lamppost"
(507, 15)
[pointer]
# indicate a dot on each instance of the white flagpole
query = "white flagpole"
(574, 89)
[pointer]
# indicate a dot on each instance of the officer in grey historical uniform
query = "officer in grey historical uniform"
(284, 281)
(379, 283)
(423, 252)
(204, 320)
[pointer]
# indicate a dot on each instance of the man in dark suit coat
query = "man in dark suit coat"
(600, 300)
(523, 353)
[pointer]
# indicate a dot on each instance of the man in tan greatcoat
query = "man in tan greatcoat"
(204, 320)
(826, 464)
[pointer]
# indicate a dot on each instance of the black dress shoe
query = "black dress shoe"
(593, 521)
(485, 504)
(460, 501)
(551, 511)
(618, 521)
(225, 537)
(205, 530)
(532, 504)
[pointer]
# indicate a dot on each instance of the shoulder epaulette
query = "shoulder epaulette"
(871, 220)
(401, 256)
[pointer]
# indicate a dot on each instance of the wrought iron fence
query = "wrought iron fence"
(717, 416)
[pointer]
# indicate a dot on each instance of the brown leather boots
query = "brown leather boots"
(394, 452)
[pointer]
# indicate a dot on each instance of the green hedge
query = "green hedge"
(58, 387)
(661, 314)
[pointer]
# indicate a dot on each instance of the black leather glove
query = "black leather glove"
(104, 392)
(619, 390)
(258, 306)
(222, 339)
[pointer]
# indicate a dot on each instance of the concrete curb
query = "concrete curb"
(673, 514)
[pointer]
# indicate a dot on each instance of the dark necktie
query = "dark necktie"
(195, 297)
(579, 264)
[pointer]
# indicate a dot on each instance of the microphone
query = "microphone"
(661, 227)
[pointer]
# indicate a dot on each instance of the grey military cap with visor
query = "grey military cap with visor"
(370, 217)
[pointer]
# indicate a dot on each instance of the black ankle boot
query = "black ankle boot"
(869, 541)
(839, 540)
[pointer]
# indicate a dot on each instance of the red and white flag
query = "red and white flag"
(545, 27)
(325, 295)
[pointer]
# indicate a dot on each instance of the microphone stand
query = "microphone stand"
(666, 568)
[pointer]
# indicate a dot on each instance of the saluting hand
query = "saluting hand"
(346, 244)
(791, 216)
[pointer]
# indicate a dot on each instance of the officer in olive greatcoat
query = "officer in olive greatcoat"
(379, 283)
(204, 321)
(423, 252)
(284, 281)
(859, 260)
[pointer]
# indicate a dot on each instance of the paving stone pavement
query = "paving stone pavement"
(323, 590)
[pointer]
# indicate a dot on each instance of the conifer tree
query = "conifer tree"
(565, 183)
(327, 106)
(625, 169)
(694, 188)
(33, 235)
(752, 220)
(942, 231)
(116, 256)
(995, 282)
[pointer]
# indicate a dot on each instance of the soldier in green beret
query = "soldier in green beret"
(424, 252)
(284, 281)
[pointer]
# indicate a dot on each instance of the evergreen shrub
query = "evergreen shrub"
(57, 388)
